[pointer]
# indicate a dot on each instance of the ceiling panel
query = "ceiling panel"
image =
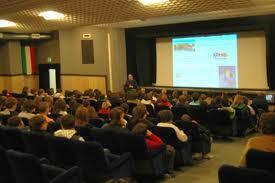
(93, 12)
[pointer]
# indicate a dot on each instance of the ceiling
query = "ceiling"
(123, 13)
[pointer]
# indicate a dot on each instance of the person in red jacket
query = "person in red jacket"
(154, 142)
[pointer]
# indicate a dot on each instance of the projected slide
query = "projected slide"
(207, 62)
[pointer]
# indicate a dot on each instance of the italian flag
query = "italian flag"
(28, 60)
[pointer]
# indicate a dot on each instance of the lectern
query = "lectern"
(49, 76)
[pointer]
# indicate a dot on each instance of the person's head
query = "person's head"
(163, 91)
(28, 106)
(49, 99)
(105, 105)
(140, 112)
(43, 108)
(245, 100)
(140, 129)
(238, 99)
(2, 101)
(195, 96)
(15, 122)
(142, 90)
(92, 112)
(82, 116)
(5, 92)
(34, 91)
(203, 97)
(182, 99)
(225, 102)
(165, 116)
(25, 90)
(132, 96)
(163, 98)
(116, 115)
(267, 122)
(38, 123)
(186, 118)
(77, 93)
(125, 107)
(59, 105)
(41, 92)
(175, 94)
(130, 77)
(11, 103)
(86, 103)
(50, 91)
(67, 122)
(58, 90)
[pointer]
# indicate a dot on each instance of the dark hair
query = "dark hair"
(125, 107)
(59, 105)
(5, 92)
(195, 96)
(14, 121)
(140, 129)
(28, 106)
(82, 114)
(115, 115)
(267, 122)
(2, 101)
(165, 115)
(138, 113)
(225, 102)
(43, 106)
(67, 121)
(37, 122)
(10, 102)
(86, 103)
(182, 99)
(186, 118)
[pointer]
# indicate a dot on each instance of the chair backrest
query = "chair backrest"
(13, 139)
(150, 110)
(178, 112)
(189, 128)
(25, 121)
(90, 158)
(4, 119)
(85, 132)
(261, 160)
(159, 108)
(108, 139)
(5, 170)
(53, 127)
(60, 151)
(35, 143)
(131, 107)
(168, 135)
(26, 168)
(134, 144)
(96, 122)
(198, 114)
(219, 122)
(230, 174)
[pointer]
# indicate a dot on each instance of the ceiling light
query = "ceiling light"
(52, 15)
(153, 2)
(6, 23)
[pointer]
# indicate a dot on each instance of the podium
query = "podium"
(49, 76)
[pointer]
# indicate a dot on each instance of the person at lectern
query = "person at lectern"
(131, 84)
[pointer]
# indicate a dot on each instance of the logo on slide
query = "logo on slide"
(220, 55)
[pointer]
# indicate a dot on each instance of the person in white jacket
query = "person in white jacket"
(68, 131)
(166, 118)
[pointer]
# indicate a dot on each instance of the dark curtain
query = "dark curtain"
(270, 56)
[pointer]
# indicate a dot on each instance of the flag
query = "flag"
(28, 60)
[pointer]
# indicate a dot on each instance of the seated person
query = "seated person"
(225, 106)
(163, 101)
(38, 124)
(15, 122)
(182, 101)
(2, 102)
(58, 94)
(140, 113)
(43, 110)
(195, 99)
(28, 109)
(68, 131)
(125, 107)
(82, 117)
(117, 122)
(10, 104)
(238, 103)
(147, 100)
(166, 118)
(60, 107)
(154, 142)
(132, 98)
(265, 142)
(251, 110)
(260, 102)
(198, 132)
(105, 108)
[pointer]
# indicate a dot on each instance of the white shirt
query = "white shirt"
(180, 134)
(26, 115)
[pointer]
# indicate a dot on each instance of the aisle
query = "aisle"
(206, 171)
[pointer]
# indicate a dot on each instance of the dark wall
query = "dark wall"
(134, 37)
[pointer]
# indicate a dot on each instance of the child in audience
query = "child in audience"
(38, 124)
(68, 128)
(25, 91)
(10, 104)
(27, 110)
(82, 117)
(15, 122)
(166, 118)
(163, 101)
(182, 101)
(154, 142)
(117, 122)
(105, 108)
(266, 142)
(140, 113)
(195, 99)
(43, 110)
(60, 107)
(225, 106)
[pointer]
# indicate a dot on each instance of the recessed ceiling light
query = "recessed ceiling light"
(153, 2)
(51, 15)
(6, 23)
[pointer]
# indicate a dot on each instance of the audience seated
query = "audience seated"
(226, 106)
(38, 124)
(266, 142)
(163, 101)
(166, 118)
(82, 117)
(182, 101)
(68, 131)
(260, 102)
(195, 99)
(58, 94)
(10, 104)
(139, 114)
(105, 108)
(15, 122)
(2, 102)
(27, 110)
(60, 107)
(43, 110)
(117, 122)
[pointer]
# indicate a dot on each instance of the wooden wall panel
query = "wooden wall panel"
(81, 83)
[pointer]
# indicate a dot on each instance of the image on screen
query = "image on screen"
(206, 62)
